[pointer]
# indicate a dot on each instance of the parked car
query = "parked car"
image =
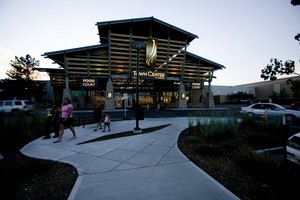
(293, 149)
(271, 111)
(16, 106)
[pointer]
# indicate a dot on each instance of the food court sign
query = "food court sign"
(89, 82)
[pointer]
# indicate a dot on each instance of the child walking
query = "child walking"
(106, 122)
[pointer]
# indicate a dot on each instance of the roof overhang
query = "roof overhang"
(52, 53)
(158, 27)
(216, 66)
(58, 56)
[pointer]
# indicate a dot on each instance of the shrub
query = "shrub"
(255, 163)
(247, 121)
(17, 131)
(191, 125)
(216, 128)
(193, 138)
(244, 156)
(263, 139)
(271, 126)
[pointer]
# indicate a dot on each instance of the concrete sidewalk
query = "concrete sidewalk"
(144, 166)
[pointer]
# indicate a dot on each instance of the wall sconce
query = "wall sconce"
(182, 95)
(187, 98)
(109, 95)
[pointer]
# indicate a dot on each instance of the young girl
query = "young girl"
(106, 121)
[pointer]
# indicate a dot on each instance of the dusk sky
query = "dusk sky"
(241, 35)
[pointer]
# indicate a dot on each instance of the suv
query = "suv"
(15, 106)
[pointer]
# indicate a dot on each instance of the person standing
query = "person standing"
(98, 115)
(66, 119)
(47, 126)
(55, 120)
(106, 121)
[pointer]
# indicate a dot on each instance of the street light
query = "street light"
(138, 45)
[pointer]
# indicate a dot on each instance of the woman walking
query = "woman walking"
(66, 119)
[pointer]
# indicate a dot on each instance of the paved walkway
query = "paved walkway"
(145, 166)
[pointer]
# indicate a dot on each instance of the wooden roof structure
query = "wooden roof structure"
(114, 57)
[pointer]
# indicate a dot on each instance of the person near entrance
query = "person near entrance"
(47, 127)
(98, 108)
(55, 120)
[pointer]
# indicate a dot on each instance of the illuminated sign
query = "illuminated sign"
(150, 75)
(151, 52)
(197, 86)
(89, 82)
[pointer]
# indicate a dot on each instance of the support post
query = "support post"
(138, 45)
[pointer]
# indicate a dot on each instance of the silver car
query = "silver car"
(293, 149)
(271, 111)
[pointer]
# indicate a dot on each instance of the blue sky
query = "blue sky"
(241, 35)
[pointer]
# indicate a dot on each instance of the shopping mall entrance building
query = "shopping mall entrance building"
(169, 76)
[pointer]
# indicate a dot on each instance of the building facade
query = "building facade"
(168, 75)
(279, 89)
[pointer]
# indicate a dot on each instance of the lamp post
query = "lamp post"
(138, 45)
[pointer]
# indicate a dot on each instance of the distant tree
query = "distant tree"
(297, 37)
(295, 2)
(295, 87)
(277, 67)
(241, 96)
(281, 95)
(21, 79)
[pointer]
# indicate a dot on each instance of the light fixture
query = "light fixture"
(183, 95)
(109, 95)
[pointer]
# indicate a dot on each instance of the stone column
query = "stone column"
(181, 99)
(81, 99)
(211, 101)
(109, 96)
(67, 91)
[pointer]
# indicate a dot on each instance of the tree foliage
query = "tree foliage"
(277, 67)
(240, 96)
(22, 69)
(295, 87)
(281, 95)
(297, 37)
(21, 79)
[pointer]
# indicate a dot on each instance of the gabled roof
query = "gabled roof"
(201, 59)
(158, 27)
(46, 54)
(58, 56)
